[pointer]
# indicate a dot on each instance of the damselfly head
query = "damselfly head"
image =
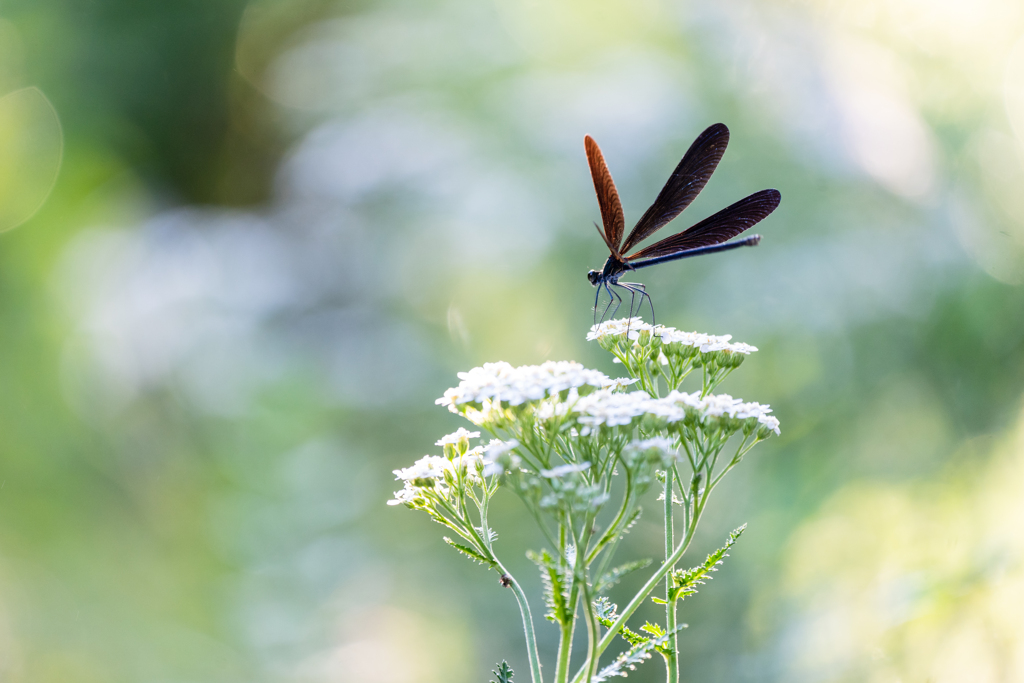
(592, 276)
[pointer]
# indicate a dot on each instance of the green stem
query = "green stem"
(564, 652)
(593, 634)
(531, 639)
(580, 580)
(672, 659)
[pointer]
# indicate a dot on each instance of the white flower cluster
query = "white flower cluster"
(426, 473)
(609, 408)
(618, 328)
(456, 436)
(705, 343)
(427, 467)
(724, 405)
(613, 409)
(502, 382)
(429, 471)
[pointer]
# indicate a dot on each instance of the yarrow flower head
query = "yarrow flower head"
(722, 410)
(613, 330)
(427, 467)
(609, 408)
(500, 382)
(457, 436)
(427, 473)
(675, 342)
(406, 496)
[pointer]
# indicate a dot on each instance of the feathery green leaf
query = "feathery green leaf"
(685, 581)
(634, 656)
(469, 552)
(555, 593)
(503, 672)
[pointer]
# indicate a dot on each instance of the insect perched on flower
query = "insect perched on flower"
(708, 236)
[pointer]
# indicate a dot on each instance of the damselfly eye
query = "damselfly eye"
(592, 276)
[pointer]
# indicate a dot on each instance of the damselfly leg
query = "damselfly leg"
(613, 298)
(638, 289)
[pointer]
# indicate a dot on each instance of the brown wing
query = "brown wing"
(685, 183)
(607, 196)
(718, 228)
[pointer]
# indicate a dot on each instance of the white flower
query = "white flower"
(427, 467)
(740, 347)
(671, 335)
(669, 408)
(718, 405)
(745, 410)
(769, 421)
(456, 436)
(705, 343)
(713, 343)
(673, 407)
(618, 328)
(561, 470)
(613, 409)
(406, 495)
(685, 400)
(502, 382)
(761, 413)
(499, 458)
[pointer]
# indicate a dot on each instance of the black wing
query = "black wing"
(607, 197)
(716, 229)
(685, 183)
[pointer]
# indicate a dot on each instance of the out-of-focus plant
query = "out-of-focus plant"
(581, 450)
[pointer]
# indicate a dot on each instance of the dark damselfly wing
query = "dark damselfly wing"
(607, 197)
(724, 225)
(685, 183)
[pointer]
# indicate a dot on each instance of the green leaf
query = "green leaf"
(605, 612)
(685, 581)
(635, 655)
(555, 594)
(653, 629)
(503, 672)
(469, 552)
(613, 576)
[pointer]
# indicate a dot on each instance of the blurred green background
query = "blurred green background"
(280, 227)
